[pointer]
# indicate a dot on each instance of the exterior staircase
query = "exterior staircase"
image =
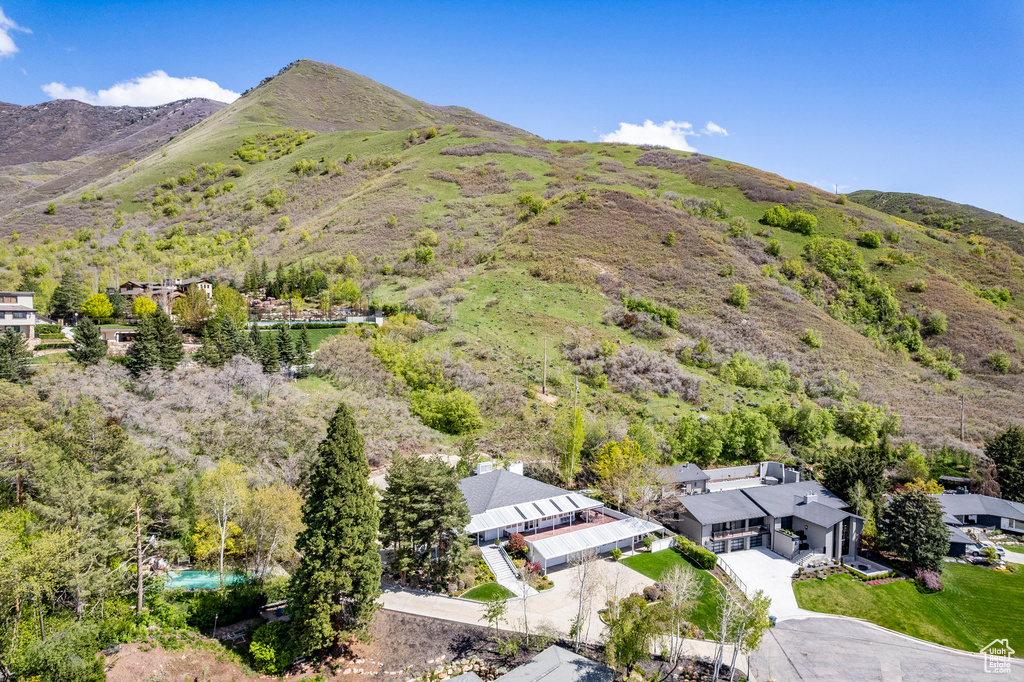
(807, 556)
(505, 572)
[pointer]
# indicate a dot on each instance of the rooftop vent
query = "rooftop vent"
(516, 468)
(484, 467)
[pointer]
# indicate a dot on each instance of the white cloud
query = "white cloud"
(712, 128)
(8, 26)
(670, 134)
(145, 91)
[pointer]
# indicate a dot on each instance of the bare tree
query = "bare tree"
(584, 568)
(725, 625)
(222, 491)
(751, 624)
(682, 587)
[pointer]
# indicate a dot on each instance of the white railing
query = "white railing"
(508, 560)
(727, 569)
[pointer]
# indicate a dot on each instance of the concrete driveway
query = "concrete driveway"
(761, 569)
(840, 650)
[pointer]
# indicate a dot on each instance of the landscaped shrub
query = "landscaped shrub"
(929, 581)
(869, 240)
(811, 338)
(999, 361)
(47, 329)
(272, 648)
(702, 557)
(652, 593)
(739, 297)
(516, 543)
(616, 554)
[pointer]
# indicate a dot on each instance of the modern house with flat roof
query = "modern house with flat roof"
(557, 524)
(787, 519)
(17, 310)
(684, 479)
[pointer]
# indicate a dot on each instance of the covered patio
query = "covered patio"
(616, 531)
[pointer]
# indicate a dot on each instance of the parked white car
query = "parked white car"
(977, 549)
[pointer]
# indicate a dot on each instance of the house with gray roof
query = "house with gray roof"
(787, 519)
(554, 664)
(685, 479)
(961, 509)
(18, 312)
(557, 524)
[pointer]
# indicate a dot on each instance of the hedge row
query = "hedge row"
(700, 556)
(47, 329)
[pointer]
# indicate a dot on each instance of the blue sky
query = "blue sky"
(922, 97)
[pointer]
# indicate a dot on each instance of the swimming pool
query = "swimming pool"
(199, 580)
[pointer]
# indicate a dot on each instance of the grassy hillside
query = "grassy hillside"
(946, 215)
(534, 241)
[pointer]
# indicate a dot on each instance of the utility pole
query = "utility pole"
(544, 387)
(962, 417)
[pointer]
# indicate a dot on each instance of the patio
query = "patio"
(594, 520)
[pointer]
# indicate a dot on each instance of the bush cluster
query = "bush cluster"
(795, 221)
(999, 361)
(812, 338)
(739, 297)
(667, 314)
(702, 557)
(869, 240)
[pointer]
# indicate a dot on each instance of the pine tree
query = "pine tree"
(304, 352)
(227, 338)
(1007, 451)
(262, 279)
(89, 347)
(285, 346)
(69, 295)
(913, 529)
(334, 591)
(143, 354)
(170, 349)
(269, 357)
(14, 356)
(208, 354)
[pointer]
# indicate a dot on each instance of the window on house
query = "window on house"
(2, 315)
(20, 316)
(754, 523)
(719, 527)
(787, 523)
(8, 299)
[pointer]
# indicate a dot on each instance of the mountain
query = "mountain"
(63, 129)
(947, 215)
(506, 244)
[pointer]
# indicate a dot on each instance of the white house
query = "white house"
(17, 310)
(557, 524)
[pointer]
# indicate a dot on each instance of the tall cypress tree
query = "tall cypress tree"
(89, 347)
(334, 591)
(143, 354)
(168, 341)
(304, 352)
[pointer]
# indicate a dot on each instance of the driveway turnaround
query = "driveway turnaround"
(841, 650)
(760, 569)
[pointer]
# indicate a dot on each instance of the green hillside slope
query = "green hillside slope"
(627, 261)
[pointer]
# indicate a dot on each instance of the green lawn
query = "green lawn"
(654, 565)
(316, 336)
(487, 592)
(977, 605)
(1015, 548)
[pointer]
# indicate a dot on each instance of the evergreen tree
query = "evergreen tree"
(143, 354)
(1007, 451)
(285, 346)
(912, 528)
(227, 338)
(264, 275)
(269, 358)
(69, 295)
(209, 354)
(14, 356)
(168, 341)
(89, 347)
(304, 352)
(334, 591)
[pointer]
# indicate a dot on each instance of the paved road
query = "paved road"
(839, 650)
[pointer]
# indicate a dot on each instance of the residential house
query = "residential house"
(787, 519)
(164, 292)
(557, 524)
(18, 311)
(960, 509)
(684, 479)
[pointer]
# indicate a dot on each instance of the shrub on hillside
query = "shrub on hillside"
(795, 221)
(999, 361)
(812, 338)
(453, 412)
(739, 297)
(774, 248)
(916, 285)
(667, 314)
(935, 324)
(634, 369)
(272, 648)
(869, 240)
(640, 324)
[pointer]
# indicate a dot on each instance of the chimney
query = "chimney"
(810, 497)
(516, 468)
(484, 467)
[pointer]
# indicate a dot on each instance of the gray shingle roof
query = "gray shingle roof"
(556, 664)
(501, 488)
(781, 500)
(964, 505)
(684, 473)
(958, 536)
(819, 514)
(728, 505)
